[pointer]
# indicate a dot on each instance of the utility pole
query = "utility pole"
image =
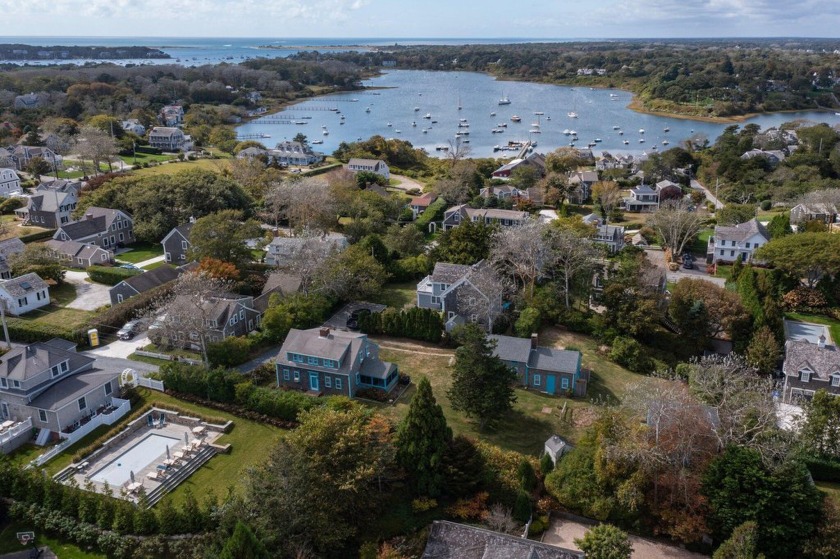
(5, 328)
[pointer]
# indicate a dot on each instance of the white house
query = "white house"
(24, 293)
(371, 165)
(9, 183)
(736, 241)
(168, 139)
(133, 125)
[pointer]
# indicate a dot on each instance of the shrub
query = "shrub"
(415, 323)
(824, 469)
(230, 352)
(433, 213)
(470, 509)
(39, 236)
(110, 275)
(538, 525)
(546, 464)
(522, 507)
(27, 331)
(423, 504)
(631, 354)
(528, 322)
(766, 205)
(10, 205)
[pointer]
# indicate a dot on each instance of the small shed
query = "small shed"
(556, 446)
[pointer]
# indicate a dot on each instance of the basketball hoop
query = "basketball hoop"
(26, 538)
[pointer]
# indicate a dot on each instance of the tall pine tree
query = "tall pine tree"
(422, 441)
(243, 544)
(482, 385)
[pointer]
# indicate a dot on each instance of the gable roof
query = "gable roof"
(96, 220)
(23, 285)
(11, 246)
(21, 363)
(449, 540)
(555, 360)
(823, 361)
(375, 163)
(183, 230)
(741, 232)
(151, 279)
(424, 200)
(444, 272)
(509, 348)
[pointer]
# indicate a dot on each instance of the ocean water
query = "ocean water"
(396, 109)
(194, 51)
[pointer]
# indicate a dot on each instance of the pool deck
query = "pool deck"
(143, 478)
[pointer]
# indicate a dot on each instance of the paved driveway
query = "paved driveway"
(338, 321)
(657, 257)
(119, 348)
(89, 296)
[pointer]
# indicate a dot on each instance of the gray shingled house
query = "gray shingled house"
(545, 369)
(8, 248)
(141, 283)
(53, 385)
(103, 227)
(176, 243)
(324, 361)
(810, 367)
(79, 255)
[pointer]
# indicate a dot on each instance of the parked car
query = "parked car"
(688, 262)
(129, 330)
(355, 317)
(128, 266)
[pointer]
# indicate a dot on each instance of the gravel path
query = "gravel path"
(89, 296)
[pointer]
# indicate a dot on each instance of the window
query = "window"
(731, 253)
(184, 245)
(15, 384)
(721, 253)
(723, 242)
(3, 383)
(435, 300)
(296, 358)
(119, 298)
(297, 376)
(312, 360)
(121, 236)
(103, 257)
(242, 314)
(42, 415)
(748, 245)
(64, 366)
(108, 389)
(835, 380)
(327, 381)
(805, 376)
(82, 403)
(564, 383)
(330, 363)
(168, 257)
(54, 371)
(537, 380)
(285, 374)
(338, 384)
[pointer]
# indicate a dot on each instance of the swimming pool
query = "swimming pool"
(118, 471)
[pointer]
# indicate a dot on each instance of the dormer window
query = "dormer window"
(835, 380)
(54, 371)
(805, 376)
(64, 366)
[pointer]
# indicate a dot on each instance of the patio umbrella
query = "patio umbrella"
(167, 452)
(186, 437)
(131, 473)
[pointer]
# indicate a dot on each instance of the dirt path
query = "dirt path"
(406, 183)
(412, 347)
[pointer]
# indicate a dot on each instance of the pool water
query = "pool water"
(148, 450)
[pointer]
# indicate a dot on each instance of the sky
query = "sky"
(560, 19)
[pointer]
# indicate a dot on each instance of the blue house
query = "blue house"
(324, 361)
(549, 370)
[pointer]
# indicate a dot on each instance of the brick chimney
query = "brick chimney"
(535, 338)
(89, 216)
(324, 333)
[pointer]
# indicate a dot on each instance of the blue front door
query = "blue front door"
(549, 383)
(313, 381)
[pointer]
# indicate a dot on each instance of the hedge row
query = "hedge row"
(824, 469)
(28, 331)
(433, 213)
(321, 170)
(110, 275)
(231, 387)
(415, 323)
(40, 236)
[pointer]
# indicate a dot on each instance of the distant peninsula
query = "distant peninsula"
(30, 52)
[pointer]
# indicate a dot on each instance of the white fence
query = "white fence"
(122, 408)
(150, 383)
(14, 431)
(167, 357)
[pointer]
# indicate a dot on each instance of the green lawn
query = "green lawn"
(832, 490)
(141, 251)
(724, 271)
(62, 294)
(701, 242)
(9, 543)
(528, 426)
(833, 325)
(146, 157)
(216, 165)
(154, 265)
(398, 295)
(55, 316)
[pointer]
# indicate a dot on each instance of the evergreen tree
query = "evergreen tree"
(546, 464)
(422, 440)
(482, 385)
(605, 541)
(243, 544)
(779, 226)
(742, 544)
(763, 351)
(463, 466)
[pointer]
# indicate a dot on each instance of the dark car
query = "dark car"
(129, 330)
(355, 317)
(688, 262)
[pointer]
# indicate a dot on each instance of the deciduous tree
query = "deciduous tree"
(676, 225)
(809, 256)
(222, 236)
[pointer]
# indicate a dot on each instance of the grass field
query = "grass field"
(146, 158)
(13, 228)
(215, 165)
(528, 426)
(9, 543)
(701, 242)
(62, 294)
(54, 315)
(141, 251)
(153, 265)
(398, 295)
